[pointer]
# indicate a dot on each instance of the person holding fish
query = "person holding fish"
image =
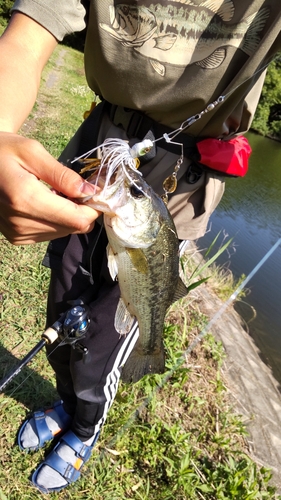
(179, 82)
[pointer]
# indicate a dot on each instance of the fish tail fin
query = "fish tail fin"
(256, 23)
(139, 365)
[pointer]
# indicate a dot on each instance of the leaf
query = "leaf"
(197, 283)
(205, 488)
(199, 270)
(212, 244)
(2, 495)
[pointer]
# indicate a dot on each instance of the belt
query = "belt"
(137, 124)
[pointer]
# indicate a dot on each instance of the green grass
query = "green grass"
(63, 99)
(173, 436)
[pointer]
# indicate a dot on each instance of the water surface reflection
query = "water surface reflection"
(251, 212)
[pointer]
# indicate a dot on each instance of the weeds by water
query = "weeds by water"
(172, 436)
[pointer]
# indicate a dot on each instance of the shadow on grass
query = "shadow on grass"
(27, 387)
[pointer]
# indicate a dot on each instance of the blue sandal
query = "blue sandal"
(43, 432)
(68, 472)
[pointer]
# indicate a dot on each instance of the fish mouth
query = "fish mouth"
(110, 217)
(103, 207)
(131, 232)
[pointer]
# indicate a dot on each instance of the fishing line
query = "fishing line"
(189, 121)
(180, 360)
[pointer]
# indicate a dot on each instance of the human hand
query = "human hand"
(29, 211)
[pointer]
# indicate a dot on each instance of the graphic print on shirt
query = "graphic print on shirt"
(184, 32)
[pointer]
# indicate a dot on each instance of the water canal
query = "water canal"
(250, 212)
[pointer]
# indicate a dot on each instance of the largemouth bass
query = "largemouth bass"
(184, 32)
(143, 256)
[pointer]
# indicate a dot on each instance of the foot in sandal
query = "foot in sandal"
(43, 426)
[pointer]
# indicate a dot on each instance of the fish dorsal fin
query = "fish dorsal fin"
(158, 67)
(112, 262)
(181, 290)
(255, 24)
(138, 259)
(225, 9)
(214, 60)
(123, 320)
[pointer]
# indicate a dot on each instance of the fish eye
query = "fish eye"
(135, 191)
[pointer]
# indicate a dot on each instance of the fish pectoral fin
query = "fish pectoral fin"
(165, 42)
(138, 259)
(181, 290)
(123, 320)
(158, 67)
(112, 262)
(214, 60)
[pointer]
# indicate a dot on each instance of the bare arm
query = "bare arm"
(25, 47)
(29, 211)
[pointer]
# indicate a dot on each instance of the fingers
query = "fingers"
(29, 210)
(33, 157)
(47, 222)
(34, 232)
(34, 213)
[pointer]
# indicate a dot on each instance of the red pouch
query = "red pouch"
(230, 157)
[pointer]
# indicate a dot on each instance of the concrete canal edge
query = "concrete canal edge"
(254, 391)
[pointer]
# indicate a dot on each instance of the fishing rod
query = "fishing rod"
(69, 329)
(75, 323)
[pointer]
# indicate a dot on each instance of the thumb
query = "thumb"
(59, 177)
(66, 181)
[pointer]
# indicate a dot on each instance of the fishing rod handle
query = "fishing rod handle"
(51, 334)
(48, 337)
(71, 327)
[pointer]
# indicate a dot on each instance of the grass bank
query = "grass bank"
(173, 436)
